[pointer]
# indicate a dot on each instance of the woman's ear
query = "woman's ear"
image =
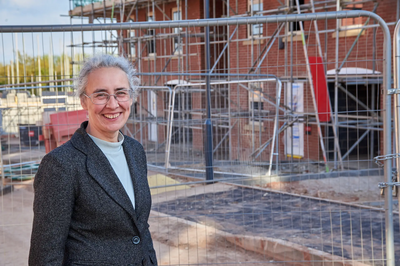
(84, 103)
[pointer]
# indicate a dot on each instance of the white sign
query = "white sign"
(294, 136)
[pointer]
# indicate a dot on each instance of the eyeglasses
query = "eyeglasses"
(101, 98)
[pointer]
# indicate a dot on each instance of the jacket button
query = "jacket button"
(136, 240)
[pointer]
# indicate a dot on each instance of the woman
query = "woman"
(92, 198)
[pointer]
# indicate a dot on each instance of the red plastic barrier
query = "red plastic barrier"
(320, 88)
(61, 127)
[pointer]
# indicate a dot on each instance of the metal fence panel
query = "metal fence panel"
(295, 186)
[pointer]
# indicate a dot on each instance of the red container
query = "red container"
(61, 127)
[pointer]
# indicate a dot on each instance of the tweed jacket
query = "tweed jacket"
(82, 214)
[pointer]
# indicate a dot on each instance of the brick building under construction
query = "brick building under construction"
(283, 92)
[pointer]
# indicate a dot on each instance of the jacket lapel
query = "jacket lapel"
(132, 170)
(101, 170)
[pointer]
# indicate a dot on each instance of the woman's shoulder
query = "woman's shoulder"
(64, 154)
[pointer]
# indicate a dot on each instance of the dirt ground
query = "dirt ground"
(344, 230)
(346, 189)
(177, 243)
(191, 249)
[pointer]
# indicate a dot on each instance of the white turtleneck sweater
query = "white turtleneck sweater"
(115, 155)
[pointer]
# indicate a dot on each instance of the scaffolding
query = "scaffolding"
(140, 48)
(169, 57)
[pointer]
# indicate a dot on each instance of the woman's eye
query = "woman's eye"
(122, 93)
(100, 95)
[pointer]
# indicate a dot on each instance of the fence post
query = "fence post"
(387, 141)
(209, 126)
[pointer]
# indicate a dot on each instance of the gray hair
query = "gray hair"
(105, 60)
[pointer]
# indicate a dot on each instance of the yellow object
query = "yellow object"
(160, 181)
(295, 156)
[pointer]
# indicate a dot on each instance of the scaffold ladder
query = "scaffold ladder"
(336, 149)
(310, 79)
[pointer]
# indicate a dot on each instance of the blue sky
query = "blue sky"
(37, 12)
(34, 12)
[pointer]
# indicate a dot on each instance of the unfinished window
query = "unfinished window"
(151, 43)
(352, 22)
(132, 41)
(256, 106)
(294, 27)
(181, 131)
(176, 40)
(256, 102)
(254, 6)
(134, 110)
(350, 26)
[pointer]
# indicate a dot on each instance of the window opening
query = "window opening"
(255, 30)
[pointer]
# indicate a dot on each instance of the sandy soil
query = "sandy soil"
(345, 189)
(185, 245)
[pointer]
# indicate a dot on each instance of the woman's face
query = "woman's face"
(105, 120)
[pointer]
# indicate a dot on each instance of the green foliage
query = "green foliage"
(28, 67)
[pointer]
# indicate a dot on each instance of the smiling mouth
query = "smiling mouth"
(112, 116)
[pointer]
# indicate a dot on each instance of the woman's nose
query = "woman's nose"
(112, 102)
